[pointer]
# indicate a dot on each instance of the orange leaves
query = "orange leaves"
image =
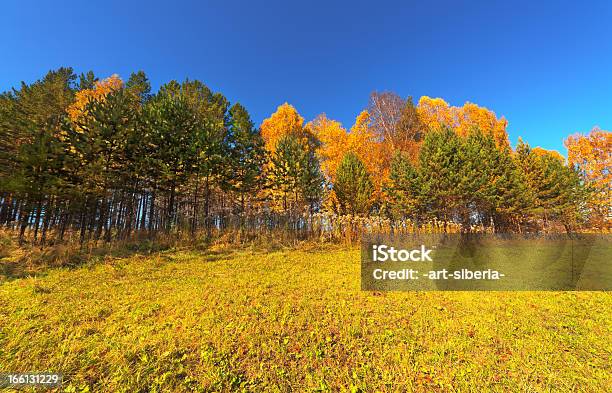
(335, 142)
(77, 110)
(552, 153)
(435, 113)
(370, 150)
(472, 115)
(592, 154)
(285, 121)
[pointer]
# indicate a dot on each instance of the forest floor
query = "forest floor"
(292, 320)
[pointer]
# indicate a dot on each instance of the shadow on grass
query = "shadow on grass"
(26, 261)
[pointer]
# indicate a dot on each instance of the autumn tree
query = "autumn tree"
(397, 126)
(336, 142)
(384, 114)
(436, 113)
(591, 154)
(95, 159)
(385, 111)
(77, 111)
(285, 121)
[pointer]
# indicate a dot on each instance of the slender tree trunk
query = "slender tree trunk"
(151, 213)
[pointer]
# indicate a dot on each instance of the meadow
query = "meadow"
(292, 320)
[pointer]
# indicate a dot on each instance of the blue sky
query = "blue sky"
(545, 66)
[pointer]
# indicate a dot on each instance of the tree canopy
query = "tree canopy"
(97, 158)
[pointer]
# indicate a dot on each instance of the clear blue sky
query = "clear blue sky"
(546, 66)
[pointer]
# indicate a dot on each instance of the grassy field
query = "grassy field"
(293, 321)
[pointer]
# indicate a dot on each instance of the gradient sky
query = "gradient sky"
(545, 66)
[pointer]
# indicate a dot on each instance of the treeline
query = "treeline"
(89, 159)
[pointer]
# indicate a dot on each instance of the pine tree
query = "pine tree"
(101, 141)
(440, 168)
(172, 129)
(353, 187)
(87, 81)
(554, 189)
(404, 188)
(31, 118)
(295, 175)
(243, 165)
(138, 84)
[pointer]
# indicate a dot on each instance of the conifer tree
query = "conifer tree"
(295, 175)
(404, 188)
(243, 165)
(172, 129)
(138, 84)
(352, 186)
(439, 168)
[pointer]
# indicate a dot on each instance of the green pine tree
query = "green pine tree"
(243, 164)
(352, 186)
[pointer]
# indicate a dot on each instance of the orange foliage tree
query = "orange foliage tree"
(552, 153)
(370, 150)
(336, 142)
(435, 113)
(78, 109)
(592, 155)
(285, 121)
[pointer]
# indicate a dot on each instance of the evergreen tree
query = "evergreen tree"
(172, 130)
(102, 143)
(138, 84)
(404, 188)
(31, 119)
(295, 175)
(554, 189)
(353, 187)
(243, 165)
(439, 167)
(87, 81)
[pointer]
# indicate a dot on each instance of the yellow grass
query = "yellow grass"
(293, 320)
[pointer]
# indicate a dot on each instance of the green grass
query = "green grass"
(293, 321)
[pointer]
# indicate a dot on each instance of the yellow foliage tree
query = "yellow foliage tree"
(285, 121)
(78, 109)
(592, 155)
(336, 143)
(370, 150)
(435, 113)
(471, 115)
(553, 153)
